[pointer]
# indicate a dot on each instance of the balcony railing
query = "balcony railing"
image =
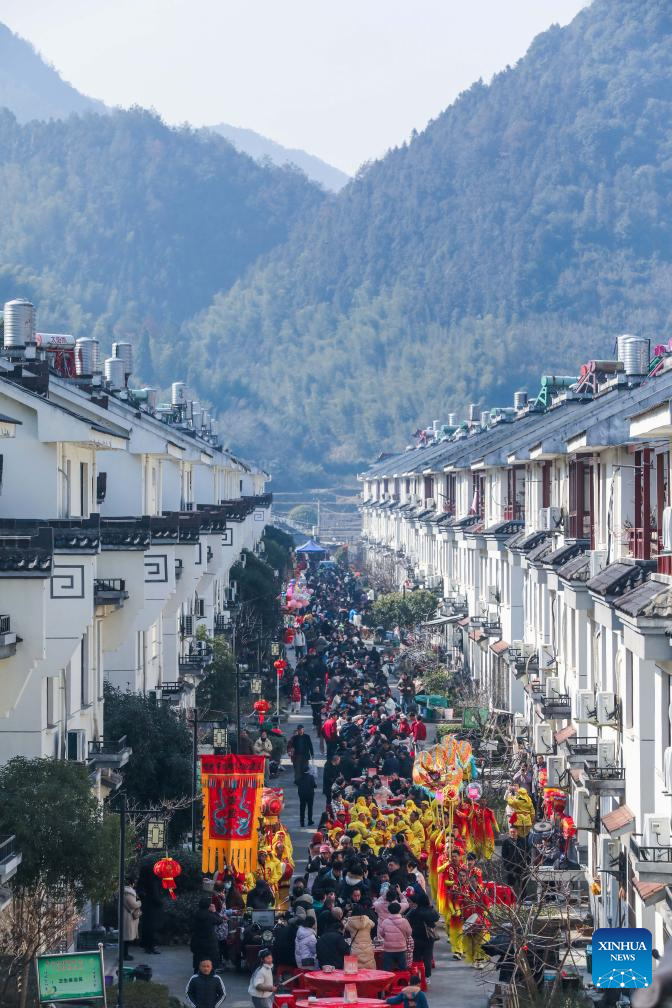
(109, 591)
(652, 863)
(609, 780)
(559, 706)
(652, 855)
(222, 624)
(8, 640)
(106, 753)
(10, 858)
(579, 746)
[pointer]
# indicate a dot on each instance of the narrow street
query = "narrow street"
(453, 983)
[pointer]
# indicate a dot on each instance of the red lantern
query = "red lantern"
(167, 869)
(262, 707)
(289, 636)
(280, 665)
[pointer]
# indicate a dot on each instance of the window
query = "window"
(581, 502)
(451, 493)
(629, 691)
(478, 495)
(84, 671)
(429, 487)
(515, 494)
(546, 484)
(641, 534)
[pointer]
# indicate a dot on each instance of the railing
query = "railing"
(492, 628)
(8, 849)
(599, 774)
(561, 704)
(172, 687)
(643, 543)
(109, 586)
(582, 746)
(107, 747)
(222, 624)
(653, 855)
(5, 626)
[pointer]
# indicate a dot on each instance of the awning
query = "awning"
(650, 893)
(442, 621)
(618, 822)
(564, 734)
(476, 635)
(310, 547)
(499, 647)
(465, 621)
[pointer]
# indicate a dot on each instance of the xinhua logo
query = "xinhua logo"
(622, 957)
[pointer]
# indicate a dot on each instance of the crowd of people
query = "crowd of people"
(390, 856)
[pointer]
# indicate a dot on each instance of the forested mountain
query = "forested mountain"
(117, 224)
(522, 230)
(31, 88)
(260, 147)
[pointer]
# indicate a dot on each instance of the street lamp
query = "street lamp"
(196, 722)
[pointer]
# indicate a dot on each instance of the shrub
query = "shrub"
(141, 994)
(175, 925)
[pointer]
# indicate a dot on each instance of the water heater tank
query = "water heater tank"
(114, 373)
(151, 398)
(471, 412)
(178, 393)
(54, 342)
(519, 400)
(124, 351)
(19, 320)
(452, 419)
(634, 352)
(87, 356)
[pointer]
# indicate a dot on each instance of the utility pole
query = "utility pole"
(122, 883)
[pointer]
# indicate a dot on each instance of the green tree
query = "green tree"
(304, 514)
(405, 610)
(160, 768)
(69, 850)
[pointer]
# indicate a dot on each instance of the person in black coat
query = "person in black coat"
(205, 989)
(422, 917)
(260, 896)
(204, 943)
(300, 750)
(284, 943)
(305, 786)
(332, 946)
(515, 858)
(331, 773)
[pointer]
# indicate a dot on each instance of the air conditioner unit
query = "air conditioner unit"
(552, 687)
(555, 768)
(543, 739)
(187, 626)
(598, 561)
(520, 724)
(546, 656)
(606, 754)
(584, 706)
(609, 854)
(605, 705)
(550, 519)
(76, 746)
(585, 809)
(656, 830)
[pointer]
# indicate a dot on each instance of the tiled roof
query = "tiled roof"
(499, 647)
(618, 821)
(26, 553)
(464, 622)
(514, 541)
(567, 552)
(540, 552)
(617, 579)
(652, 599)
(505, 528)
(476, 635)
(577, 569)
(649, 892)
(531, 541)
(466, 521)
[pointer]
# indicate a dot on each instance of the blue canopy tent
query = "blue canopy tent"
(311, 548)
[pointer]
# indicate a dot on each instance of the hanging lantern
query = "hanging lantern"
(167, 869)
(280, 665)
(262, 707)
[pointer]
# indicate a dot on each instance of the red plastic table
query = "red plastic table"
(338, 1002)
(369, 982)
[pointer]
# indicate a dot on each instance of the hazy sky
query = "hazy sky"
(344, 79)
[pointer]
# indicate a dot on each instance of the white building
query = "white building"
(120, 521)
(548, 528)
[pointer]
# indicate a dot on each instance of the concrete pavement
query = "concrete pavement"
(452, 983)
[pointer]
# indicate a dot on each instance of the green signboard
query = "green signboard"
(73, 976)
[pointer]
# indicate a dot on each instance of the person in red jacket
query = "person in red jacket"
(418, 731)
(330, 734)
